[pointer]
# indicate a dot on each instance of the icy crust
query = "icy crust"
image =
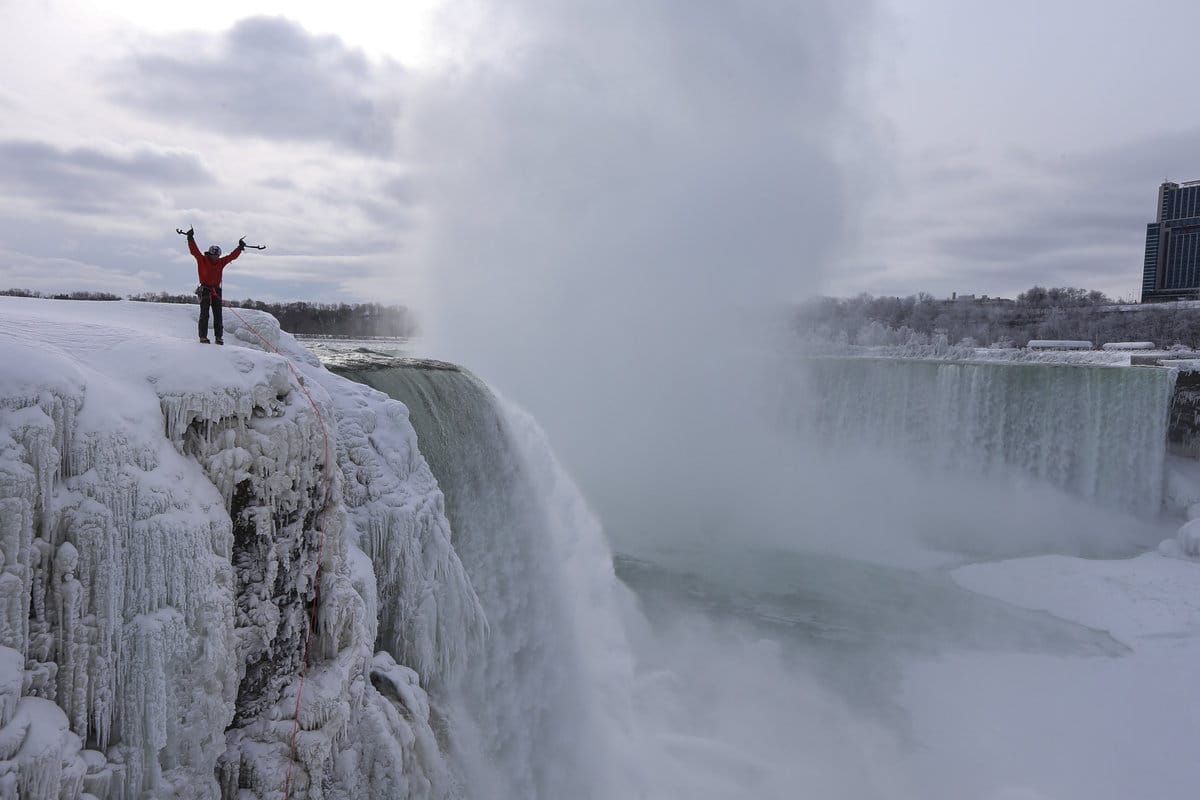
(112, 579)
(161, 508)
(428, 614)
(399, 587)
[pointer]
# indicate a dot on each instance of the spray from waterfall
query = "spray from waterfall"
(620, 211)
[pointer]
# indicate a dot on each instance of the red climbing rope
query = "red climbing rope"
(312, 614)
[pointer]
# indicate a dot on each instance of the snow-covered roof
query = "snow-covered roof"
(1129, 346)
(1059, 344)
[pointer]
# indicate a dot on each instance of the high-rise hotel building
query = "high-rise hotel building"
(1172, 267)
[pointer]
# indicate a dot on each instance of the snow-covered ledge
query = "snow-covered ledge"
(161, 509)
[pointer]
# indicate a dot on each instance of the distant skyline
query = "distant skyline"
(982, 149)
(1023, 143)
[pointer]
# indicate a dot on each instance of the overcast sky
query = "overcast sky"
(940, 145)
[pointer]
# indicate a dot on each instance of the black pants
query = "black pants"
(210, 296)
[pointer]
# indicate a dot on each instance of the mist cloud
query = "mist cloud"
(630, 193)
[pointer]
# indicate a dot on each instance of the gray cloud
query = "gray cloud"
(138, 251)
(268, 77)
(1057, 231)
(974, 223)
(388, 203)
(1004, 247)
(88, 179)
(280, 184)
(62, 254)
(1136, 167)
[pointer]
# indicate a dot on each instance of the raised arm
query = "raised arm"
(237, 251)
(192, 248)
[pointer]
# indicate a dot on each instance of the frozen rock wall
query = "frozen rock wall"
(119, 581)
(162, 508)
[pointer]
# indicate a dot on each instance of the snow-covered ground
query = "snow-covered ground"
(1050, 727)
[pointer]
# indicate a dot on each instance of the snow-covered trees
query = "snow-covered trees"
(1057, 313)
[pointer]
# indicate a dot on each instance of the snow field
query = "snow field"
(1107, 727)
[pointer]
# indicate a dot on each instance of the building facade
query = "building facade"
(1172, 267)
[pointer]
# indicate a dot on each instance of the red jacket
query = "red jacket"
(210, 270)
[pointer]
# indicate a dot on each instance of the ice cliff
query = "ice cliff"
(163, 505)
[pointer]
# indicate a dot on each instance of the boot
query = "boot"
(204, 340)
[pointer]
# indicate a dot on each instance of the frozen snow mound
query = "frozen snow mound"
(1187, 540)
(163, 507)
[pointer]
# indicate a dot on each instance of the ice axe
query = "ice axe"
(243, 245)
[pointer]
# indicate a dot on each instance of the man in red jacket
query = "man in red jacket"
(210, 265)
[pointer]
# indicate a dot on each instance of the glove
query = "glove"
(242, 243)
(190, 231)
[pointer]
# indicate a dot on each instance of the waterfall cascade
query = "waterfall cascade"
(521, 719)
(1099, 432)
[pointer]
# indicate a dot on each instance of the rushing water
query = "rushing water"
(746, 665)
(521, 723)
(1097, 432)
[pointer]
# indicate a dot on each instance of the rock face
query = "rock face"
(167, 512)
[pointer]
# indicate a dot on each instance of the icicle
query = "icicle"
(12, 669)
(429, 615)
(72, 638)
(14, 599)
(156, 574)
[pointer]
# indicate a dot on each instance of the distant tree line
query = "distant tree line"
(60, 296)
(1039, 313)
(324, 319)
